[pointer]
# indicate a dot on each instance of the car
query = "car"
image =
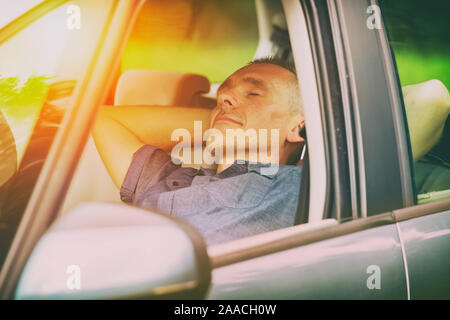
(362, 230)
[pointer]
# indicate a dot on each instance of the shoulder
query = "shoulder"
(148, 166)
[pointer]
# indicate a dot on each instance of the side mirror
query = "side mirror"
(115, 251)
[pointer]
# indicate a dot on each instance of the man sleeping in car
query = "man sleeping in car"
(243, 194)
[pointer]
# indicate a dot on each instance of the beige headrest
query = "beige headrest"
(150, 87)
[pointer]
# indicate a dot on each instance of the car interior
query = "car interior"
(188, 48)
(142, 87)
(193, 86)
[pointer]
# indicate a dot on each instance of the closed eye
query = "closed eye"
(253, 94)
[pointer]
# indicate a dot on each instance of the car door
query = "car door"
(425, 235)
(354, 260)
(63, 52)
(360, 255)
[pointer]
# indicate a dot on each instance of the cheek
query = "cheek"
(213, 114)
(259, 114)
(276, 119)
(273, 117)
(265, 115)
(278, 116)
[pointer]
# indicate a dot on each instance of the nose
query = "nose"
(227, 101)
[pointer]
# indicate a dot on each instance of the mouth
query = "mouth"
(228, 119)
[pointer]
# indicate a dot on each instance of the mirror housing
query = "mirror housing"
(115, 251)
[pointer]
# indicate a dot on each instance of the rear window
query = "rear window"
(419, 33)
(212, 38)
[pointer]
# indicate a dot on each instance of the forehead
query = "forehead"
(268, 75)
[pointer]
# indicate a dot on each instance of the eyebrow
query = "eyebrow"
(256, 82)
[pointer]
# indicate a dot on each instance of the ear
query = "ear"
(294, 132)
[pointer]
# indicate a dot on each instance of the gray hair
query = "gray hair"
(295, 101)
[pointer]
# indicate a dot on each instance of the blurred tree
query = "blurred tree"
(18, 100)
(420, 25)
(419, 32)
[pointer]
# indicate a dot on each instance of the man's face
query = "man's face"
(255, 97)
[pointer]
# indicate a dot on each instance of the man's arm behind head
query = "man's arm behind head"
(121, 130)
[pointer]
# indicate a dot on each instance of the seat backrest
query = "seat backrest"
(153, 87)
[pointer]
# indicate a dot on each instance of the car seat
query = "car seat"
(92, 181)
(153, 87)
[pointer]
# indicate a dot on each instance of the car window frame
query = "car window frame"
(24, 20)
(340, 168)
(304, 59)
(400, 143)
(380, 120)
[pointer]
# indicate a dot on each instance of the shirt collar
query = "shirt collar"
(241, 167)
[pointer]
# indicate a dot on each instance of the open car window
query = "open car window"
(423, 60)
(187, 57)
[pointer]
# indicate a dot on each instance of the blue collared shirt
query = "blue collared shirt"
(240, 201)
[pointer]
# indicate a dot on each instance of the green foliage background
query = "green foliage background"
(420, 36)
(19, 100)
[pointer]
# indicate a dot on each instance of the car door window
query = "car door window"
(143, 51)
(40, 67)
(418, 30)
